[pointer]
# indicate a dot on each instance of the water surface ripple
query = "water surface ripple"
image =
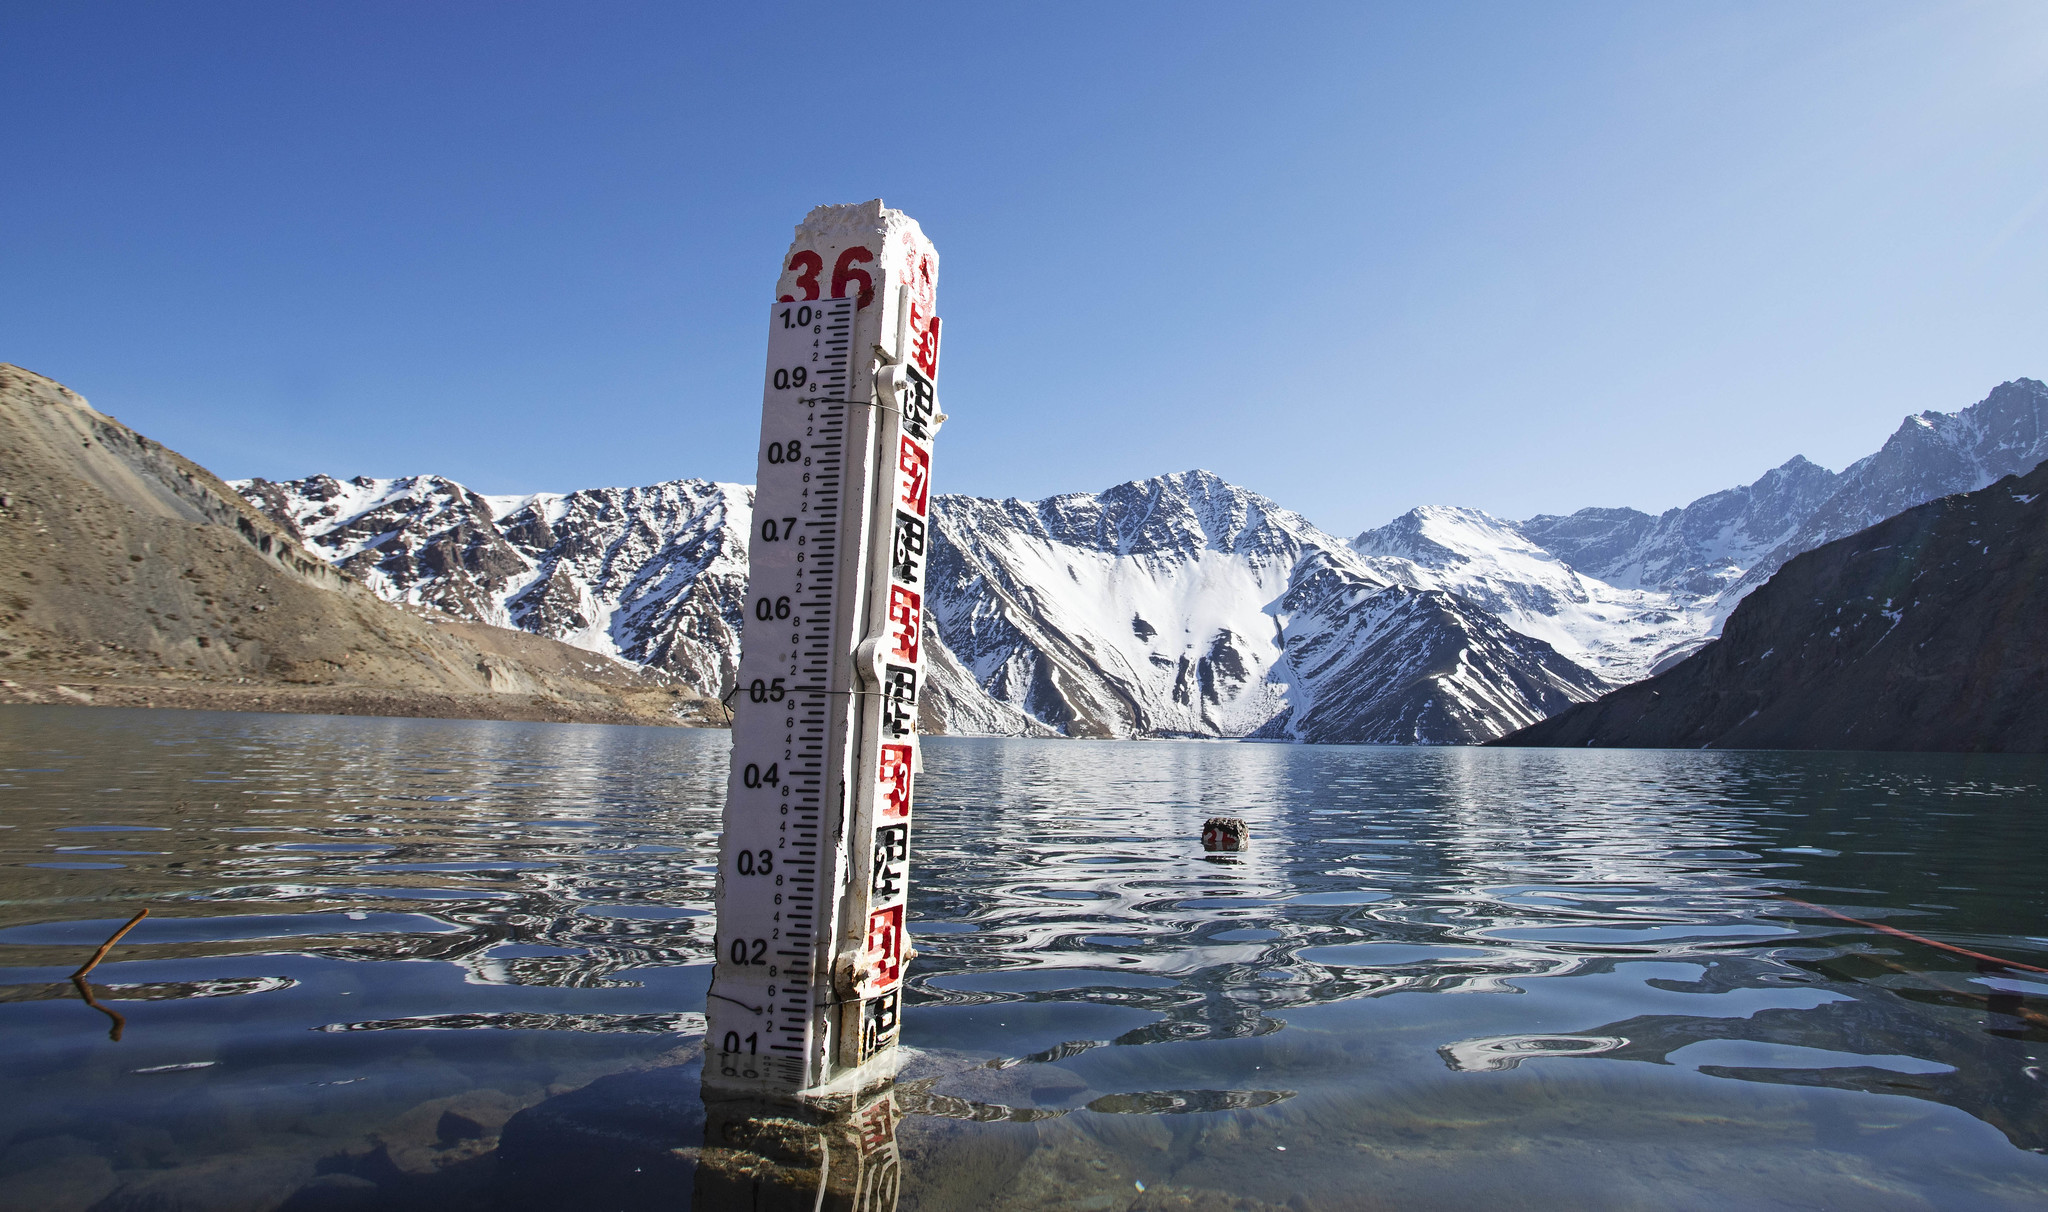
(427, 963)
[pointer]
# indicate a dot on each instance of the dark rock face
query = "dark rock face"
(1928, 631)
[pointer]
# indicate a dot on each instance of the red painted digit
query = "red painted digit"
(885, 944)
(812, 264)
(916, 467)
(843, 273)
(905, 621)
(895, 780)
(925, 352)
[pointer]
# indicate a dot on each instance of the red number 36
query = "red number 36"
(843, 275)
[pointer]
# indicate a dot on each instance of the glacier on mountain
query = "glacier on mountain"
(1619, 633)
(1181, 605)
(1186, 606)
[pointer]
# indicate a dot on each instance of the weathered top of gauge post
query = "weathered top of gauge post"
(813, 865)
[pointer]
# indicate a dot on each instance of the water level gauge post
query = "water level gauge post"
(814, 856)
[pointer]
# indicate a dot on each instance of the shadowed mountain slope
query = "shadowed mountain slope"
(1927, 631)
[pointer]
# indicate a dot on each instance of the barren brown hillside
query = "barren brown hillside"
(130, 575)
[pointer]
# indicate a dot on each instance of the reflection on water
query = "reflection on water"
(395, 964)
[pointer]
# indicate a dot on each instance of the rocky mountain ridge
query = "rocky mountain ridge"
(1717, 549)
(1165, 607)
(1176, 606)
(650, 575)
(1923, 632)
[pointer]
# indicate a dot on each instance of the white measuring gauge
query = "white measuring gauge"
(813, 874)
(776, 859)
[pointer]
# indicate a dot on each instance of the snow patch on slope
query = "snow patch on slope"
(1617, 632)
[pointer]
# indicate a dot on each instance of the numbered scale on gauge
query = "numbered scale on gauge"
(813, 877)
(776, 829)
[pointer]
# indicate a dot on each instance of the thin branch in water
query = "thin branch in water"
(107, 946)
(85, 990)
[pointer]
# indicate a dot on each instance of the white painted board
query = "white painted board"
(812, 940)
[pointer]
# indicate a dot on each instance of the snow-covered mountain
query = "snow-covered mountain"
(655, 575)
(1407, 666)
(1180, 605)
(1696, 551)
(1186, 606)
(1710, 554)
(1620, 633)
(1176, 606)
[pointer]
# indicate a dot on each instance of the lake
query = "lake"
(442, 964)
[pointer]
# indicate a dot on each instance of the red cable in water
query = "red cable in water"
(1976, 955)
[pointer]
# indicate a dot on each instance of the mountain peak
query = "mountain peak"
(1437, 534)
(1178, 513)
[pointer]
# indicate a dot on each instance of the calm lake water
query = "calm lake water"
(450, 965)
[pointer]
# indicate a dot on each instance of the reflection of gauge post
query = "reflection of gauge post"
(813, 867)
(836, 1154)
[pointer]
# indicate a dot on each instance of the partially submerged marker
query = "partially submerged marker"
(1226, 833)
(813, 865)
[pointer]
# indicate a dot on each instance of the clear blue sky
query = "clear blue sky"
(1526, 257)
